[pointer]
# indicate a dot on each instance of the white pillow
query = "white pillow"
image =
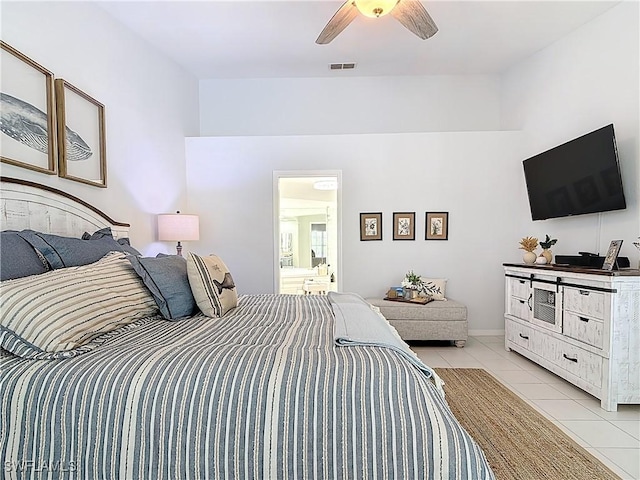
(434, 288)
(211, 284)
(54, 314)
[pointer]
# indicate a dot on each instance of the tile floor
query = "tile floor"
(612, 437)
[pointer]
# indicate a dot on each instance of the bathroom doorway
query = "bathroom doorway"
(307, 226)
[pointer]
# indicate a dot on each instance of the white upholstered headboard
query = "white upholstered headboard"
(29, 205)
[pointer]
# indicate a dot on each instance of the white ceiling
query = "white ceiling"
(252, 39)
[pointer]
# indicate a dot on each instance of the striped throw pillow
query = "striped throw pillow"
(211, 284)
(59, 313)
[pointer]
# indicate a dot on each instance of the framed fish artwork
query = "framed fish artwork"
(27, 113)
(81, 135)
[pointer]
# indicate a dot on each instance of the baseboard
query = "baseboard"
(485, 333)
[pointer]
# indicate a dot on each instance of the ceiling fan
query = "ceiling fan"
(409, 13)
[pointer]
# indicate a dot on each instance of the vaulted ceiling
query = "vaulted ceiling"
(259, 39)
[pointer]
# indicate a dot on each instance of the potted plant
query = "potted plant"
(529, 244)
(412, 282)
(546, 245)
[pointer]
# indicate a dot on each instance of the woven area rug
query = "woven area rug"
(519, 443)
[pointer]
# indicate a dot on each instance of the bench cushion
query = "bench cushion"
(448, 310)
(437, 320)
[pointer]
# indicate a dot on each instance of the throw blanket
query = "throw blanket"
(359, 323)
(262, 393)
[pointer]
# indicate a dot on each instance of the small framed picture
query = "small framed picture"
(81, 136)
(404, 225)
(371, 226)
(436, 226)
(612, 255)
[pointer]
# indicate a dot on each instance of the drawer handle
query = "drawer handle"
(584, 292)
(523, 336)
(584, 319)
(569, 358)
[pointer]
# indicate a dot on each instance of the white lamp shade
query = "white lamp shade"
(177, 227)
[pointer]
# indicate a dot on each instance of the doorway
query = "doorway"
(307, 226)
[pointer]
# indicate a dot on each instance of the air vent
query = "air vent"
(342, 66)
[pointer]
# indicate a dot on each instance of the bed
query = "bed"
(277, 387)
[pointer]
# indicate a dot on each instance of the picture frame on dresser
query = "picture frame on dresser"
(28, 137)
(612, 255)
(81, 135)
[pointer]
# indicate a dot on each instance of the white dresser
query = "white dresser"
(581, 324)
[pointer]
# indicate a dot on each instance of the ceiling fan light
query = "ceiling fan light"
(375, 8)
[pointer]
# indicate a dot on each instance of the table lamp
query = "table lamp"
(177, 227)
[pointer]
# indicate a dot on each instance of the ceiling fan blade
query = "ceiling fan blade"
(343, 17)
(414, 17)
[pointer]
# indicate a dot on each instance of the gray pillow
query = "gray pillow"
(166, 278)
(18, 258)
(62, 252)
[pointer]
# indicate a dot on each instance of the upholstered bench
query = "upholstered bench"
(437, 320)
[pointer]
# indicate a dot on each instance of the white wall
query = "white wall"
(316, 106)
(582, 82)
(468, 174)
(151, 105)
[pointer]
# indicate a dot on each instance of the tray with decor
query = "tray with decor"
(417, 300)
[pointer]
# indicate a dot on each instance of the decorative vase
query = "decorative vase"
(410, 293)
(548, 254)
(529, 258)
(541, 260)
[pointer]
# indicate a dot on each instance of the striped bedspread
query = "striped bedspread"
(263, 393)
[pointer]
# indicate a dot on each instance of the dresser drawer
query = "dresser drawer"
(519, 287)
(518, 334)
(519, 307)
(584, 302)
(580, 363)
(584, 329)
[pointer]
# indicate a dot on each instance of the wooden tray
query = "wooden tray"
(417, 300)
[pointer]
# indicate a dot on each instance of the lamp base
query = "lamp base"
(179, 249)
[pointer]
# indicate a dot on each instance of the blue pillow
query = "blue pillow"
(62, 252)
(103, 232)
(18, 257)
(106, 232)
(126, 246)
(166, 277)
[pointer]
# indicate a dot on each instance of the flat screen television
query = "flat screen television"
(578, 177)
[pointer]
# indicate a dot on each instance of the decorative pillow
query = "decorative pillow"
(126, 246)
(18, 258)
(103, 232)
(57, 314)
(211, 284)
(63, 252)
(166, 277)
(106, 232)
(434, 288)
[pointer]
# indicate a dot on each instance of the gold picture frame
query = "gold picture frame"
(82, 153)
(436, 226)
(371, 226)
(28, 113)
(404, 225)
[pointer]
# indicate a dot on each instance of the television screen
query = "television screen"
(577, 177)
